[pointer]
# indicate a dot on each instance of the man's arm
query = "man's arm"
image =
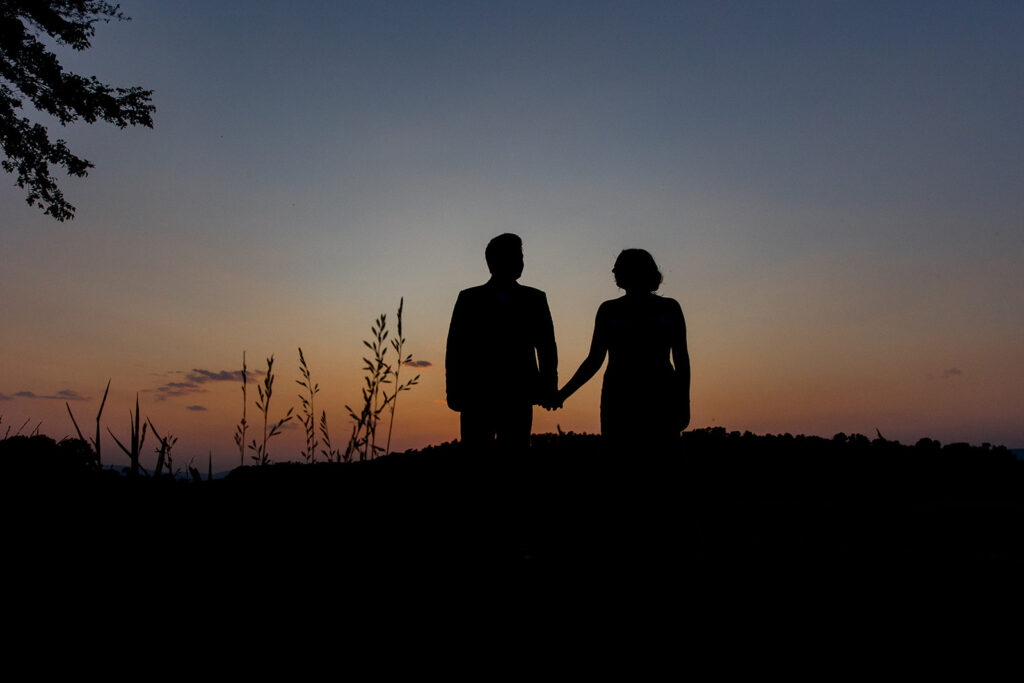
(547, 352)
(454, 356)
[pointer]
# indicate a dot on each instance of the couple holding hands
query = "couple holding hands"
(501, 357)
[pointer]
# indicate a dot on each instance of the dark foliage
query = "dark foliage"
(39, 457)
(29, 71)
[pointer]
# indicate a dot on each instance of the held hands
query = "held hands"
(554, 401)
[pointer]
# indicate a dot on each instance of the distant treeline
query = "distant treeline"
(40, 454)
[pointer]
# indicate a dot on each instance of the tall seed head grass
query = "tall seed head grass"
(242, 426)
(330, 453)
(376, 399)
(398, 344)
(308, 412)
(261, 456)
(364, 431)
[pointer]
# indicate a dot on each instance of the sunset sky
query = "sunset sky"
(834, 192)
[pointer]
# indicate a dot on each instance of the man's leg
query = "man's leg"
(515, 495)
(478, 429)
(513, 427)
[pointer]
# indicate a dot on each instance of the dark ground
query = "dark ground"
(774, 513)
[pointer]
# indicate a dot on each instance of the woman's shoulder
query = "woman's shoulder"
(666, 309)
(667, 303)
(611, 306)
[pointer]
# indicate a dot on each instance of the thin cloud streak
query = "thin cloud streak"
(165, 392)
(194, 379)
(199, 376)
(62, 395)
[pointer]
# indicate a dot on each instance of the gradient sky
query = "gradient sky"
(833, 190)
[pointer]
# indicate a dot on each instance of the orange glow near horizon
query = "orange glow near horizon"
(773, 391)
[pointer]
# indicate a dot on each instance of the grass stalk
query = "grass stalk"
(260, 453)
(242, 426)
(331, 454)
(163, 451)
(138, 437)
(308, 411)
(398, 344)
(364, 431)
(378, 374)
(96, 441)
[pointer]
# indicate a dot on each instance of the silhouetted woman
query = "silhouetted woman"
(645, 398)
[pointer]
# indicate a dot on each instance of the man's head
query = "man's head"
(504, 256)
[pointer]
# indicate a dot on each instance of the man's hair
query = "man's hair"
(635, 269)
(504, 254)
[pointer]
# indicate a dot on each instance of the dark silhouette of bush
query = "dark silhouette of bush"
(39, 456)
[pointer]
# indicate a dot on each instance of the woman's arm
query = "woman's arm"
(590, 365)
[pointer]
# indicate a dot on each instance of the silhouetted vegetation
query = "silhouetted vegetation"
(138, 438)
(163, 457)
(243, 425)
(379, 374)
(398, 344)
(364, 431)
(17, 432)
(36, 459)
(729, 503)
(96, 443)
(261, 453)
(330, 453)
(33, 73)
(308, 411)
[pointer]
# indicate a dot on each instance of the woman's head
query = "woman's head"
(636, 271)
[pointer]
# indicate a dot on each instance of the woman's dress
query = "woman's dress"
(642, 396)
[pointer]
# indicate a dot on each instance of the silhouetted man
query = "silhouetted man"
(501, 357)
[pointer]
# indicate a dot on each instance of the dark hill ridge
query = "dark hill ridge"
(729, 502)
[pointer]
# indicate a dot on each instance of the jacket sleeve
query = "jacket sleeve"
(454, 357)
(547, 351)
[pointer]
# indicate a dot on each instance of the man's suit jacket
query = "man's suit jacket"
(501, 347)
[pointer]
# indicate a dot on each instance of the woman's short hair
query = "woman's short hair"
(635, 269)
